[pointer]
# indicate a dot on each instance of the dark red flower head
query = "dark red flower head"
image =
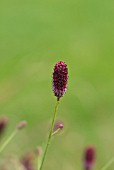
(60, 79)
(89, 158)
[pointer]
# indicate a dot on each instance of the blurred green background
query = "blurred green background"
(34, 35)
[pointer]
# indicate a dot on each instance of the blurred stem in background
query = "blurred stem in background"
(8, 140)
(20, 126)
(50, 135)
(108, 164)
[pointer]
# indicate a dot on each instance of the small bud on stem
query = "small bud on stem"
(61, 126)
(57, 127)
(21, 125)
(38, 151)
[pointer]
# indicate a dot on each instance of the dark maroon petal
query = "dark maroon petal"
(60, 79)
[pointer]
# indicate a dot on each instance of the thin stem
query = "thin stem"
(57, 131)
(38, 163)
(108, 164)
(8, 140)
(50, 135)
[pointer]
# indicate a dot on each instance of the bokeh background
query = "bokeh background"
(34, 35)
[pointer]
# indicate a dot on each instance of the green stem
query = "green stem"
(50, 135)
(108, 164)
(8, 140)
(57, 131)
(38, 163)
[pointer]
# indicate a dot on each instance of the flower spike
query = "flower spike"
(60, 79)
